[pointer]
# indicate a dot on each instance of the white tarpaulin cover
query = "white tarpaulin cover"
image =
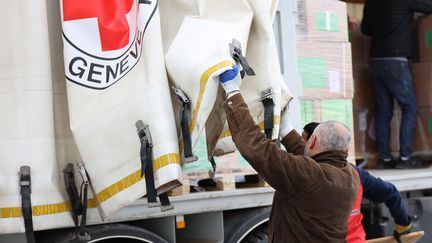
(26, 124)
(203, 41)
(207, 27)
(115, 68)
(262, 56)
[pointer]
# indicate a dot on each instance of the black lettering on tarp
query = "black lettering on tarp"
(139, 37)
(135, 54)
(113, 73)
(123, 64)
(81, 70)
(93, 71)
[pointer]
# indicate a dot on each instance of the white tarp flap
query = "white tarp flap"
(26, 124)
(115, 68)
(199, 53)
(202, 39)
(263, 58)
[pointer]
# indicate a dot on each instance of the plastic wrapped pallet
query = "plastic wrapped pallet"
(323, 20)
(325, 70)
(422, 80)
(115, 73)
(360, 49)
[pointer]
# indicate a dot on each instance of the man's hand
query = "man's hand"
(285, 125)
(401, 230)
(230, 80)
(353, 24)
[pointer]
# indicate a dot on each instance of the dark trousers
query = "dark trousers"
(392, 80)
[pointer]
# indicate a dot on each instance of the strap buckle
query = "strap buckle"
(266, 94)
(236, 54)
(235, 50)
(25, 177)
(83, 173)
(144, 133)
(180, 95)
(267, 100)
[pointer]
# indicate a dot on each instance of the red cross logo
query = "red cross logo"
(111, 16)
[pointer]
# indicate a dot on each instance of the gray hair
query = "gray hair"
(333, 136)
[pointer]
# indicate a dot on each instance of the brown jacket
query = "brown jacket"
(314, 196)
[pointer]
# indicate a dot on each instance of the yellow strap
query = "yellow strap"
(101, 196)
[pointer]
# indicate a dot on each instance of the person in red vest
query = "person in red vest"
(376, 190)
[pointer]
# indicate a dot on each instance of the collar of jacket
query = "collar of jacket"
(335, 158)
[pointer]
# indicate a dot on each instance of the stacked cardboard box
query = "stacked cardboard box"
(364, 104)
(324, 63)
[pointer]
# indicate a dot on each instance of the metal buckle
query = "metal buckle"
(83, 173)
(235, 50)
(25, 176)
(180, 95)
(266, 94)
(144, 133)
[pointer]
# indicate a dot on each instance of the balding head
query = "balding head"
(328, 136)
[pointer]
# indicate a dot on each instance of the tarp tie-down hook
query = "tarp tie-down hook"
(185, 103)
(237, 55)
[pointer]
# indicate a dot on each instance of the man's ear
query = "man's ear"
(312, 142)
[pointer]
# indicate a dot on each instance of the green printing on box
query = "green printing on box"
(307, 112)
(429, 39)
(338, 110)
(321, 21)
(200, 150)
(313, 72)
(430, 124)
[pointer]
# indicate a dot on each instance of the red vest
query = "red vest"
(356, 233)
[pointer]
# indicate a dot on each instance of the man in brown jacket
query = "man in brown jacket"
(315, 192)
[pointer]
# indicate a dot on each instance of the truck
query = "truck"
(240, 215)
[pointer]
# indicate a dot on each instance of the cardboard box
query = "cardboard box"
(363, 88)
(424, 35)
(422, 143)
(360, 48)
(422, 81)
(329, 109)
(323, 20)
(325, 70)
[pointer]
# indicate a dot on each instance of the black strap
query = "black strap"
(82, 231)
(165, 202)
(246, 67)
(237, 55)
(146, 154)
(268, 116)
(69, 179)
(184, 123)
(184, 100)
(147, 168)
(25, 183)
(213, 164)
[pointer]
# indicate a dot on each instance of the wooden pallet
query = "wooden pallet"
(223, 182)
(181, 190)
(408, 238)
(228, 182)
